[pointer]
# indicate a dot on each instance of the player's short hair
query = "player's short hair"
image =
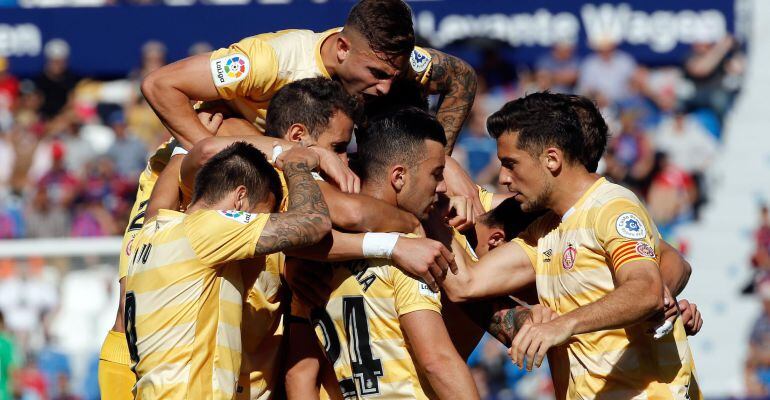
(385, 24)
(404, 93)
(311, 102)
(541, 119)
(509, 217)
(238, 164)
(593, 127)
(396, 138)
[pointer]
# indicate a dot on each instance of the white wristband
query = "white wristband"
(379, 245)
(179, 150)
(663, 330)
(277, 150)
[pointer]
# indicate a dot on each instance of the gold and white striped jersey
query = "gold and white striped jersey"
(184, 298)
(575, 260)
(361, 333)
(262, 332)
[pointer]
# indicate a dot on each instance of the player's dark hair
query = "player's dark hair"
(396, 138)
(541, 119)
(404, 93)
(310, 102)
(238, 164)
(593, 127)
(509, 217)
(385, 24)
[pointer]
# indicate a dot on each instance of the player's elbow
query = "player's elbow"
(322, 225)
(206, 149)
(349, 216)
(152, 86)
(651, 302)
(438, 361)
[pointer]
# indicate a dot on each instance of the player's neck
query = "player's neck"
(329, 54)
(569, 187)
(379, 192)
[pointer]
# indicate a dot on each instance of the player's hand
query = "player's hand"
(663, 323)
(533, 341)
(337, 170)
(424, 258)
(308, 280)
(461, 214)
(691, 317)
(460, 184)
(542, 314)
(297, 155)
(211, 121)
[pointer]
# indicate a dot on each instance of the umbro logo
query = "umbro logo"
(548, 253)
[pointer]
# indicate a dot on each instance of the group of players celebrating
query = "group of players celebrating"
(260, 263)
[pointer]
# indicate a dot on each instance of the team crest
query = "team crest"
(568, 259)
(128, 246)
(630, 226)
(229, 69)
(419, 61)
(645, 250)
(239, 216)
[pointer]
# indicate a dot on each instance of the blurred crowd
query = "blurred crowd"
(72, 148)
(758, 354)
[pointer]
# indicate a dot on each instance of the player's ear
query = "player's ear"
(496, 238)
(298, 133)
(397, 177)
(343, 47)
(553, 159)
(241, 201)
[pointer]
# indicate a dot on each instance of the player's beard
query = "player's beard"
(540, 201)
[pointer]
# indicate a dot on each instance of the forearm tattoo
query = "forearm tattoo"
(455, 81)
(500, 317)
(303, 224)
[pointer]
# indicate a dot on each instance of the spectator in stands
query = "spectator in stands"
(689, 145)
(708, 67)
(760, 259)
(127, 152)
(8, 359)
(62, 185)
(9, 92)
(45, 218)
(199, 48)
(153, 57)
(67, 127)
(606, 71)
(633, 152)
(562, 65)
(671, 196)
(57, 81)
(478, 148)
(758, 360)
(497, 71)
(55, 367)
(30, 381)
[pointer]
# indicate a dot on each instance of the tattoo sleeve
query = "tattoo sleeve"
(307, 219)
(455, 81)
(500, 317)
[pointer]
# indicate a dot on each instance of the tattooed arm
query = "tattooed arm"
(455, 81)
(307, 219)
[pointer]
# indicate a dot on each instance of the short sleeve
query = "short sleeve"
(626, 232)
(486, 198)
(412, 295)
(248, 68)
(422, 64)
(221, 236)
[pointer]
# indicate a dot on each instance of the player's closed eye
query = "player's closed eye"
(379, 74)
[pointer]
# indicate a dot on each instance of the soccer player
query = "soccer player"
(382, 330)
(594, 258)
(184, 289)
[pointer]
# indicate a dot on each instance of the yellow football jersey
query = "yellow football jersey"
(575, 259)
(184, 297)
(486, 198)
(262, 332)
(361, 334)
(247, 74)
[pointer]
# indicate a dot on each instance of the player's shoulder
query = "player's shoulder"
(213, 218)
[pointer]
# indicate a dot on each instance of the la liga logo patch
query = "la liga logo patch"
(238, 216)
(229, 69)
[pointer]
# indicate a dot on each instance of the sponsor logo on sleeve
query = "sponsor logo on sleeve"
(645, 250)
(424, 290)
(419, 61)
(630, 226)
(238, 216)
(568, 259)
(229, 69)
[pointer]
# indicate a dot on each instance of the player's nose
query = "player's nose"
(384, 87)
